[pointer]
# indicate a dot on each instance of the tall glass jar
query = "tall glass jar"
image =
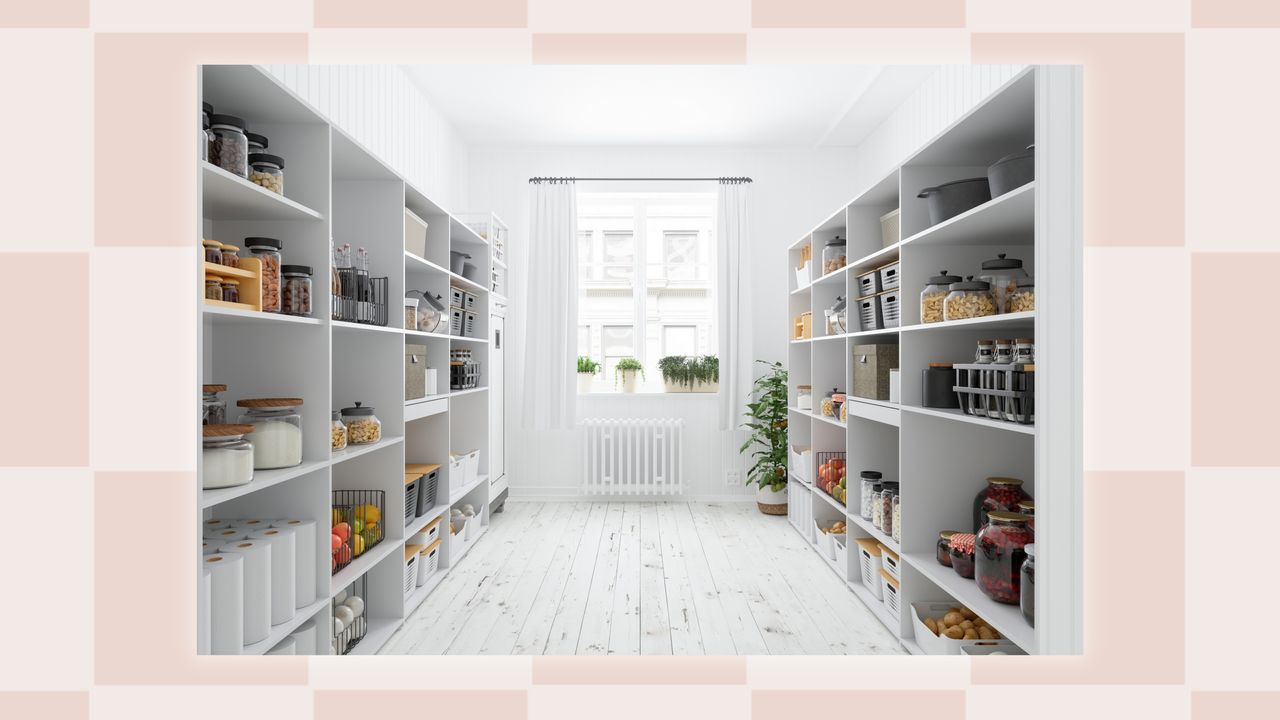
(277, 435)
(1000, 494)
(869, 479)
(227, 459)
(1027, 507)
(267, 172)
(896, 532)
(968, 299)
(886, 507)
(230, 149)
(934, 295)
(213, 408)
(962, 554)
(998, 555)
(268, 251)
(207, 135)
(337, 432)
(1005, 275)
(1027, 592)
(295, 296)
(834, 255)
(944, 547)
(363, 426)
(804, 397)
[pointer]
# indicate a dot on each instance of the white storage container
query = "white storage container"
(802, 276)
(889, 276)
(800, 463)
(869, 564)
(932, 644)
(472, 459)
(411, 567)
(428, 562)
(868, 283)
(890, 562)
(891, 308)
(824, 541)
(890, 228)
(991, 647)
(431, 532)
(473, 527)
(891, 593)
(457, 471)
(842, 555)
(869, 314)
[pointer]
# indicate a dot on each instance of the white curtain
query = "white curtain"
(551, 303)
(733, 270)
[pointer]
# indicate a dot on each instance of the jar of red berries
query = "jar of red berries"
(1028, 507)
(944, 547)
(962, 554)
(998, 555)
(1001, 493)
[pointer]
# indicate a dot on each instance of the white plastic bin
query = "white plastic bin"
(891, 593)
(411, 567)
(991, 647)
(802, 276)
(869, 565)
(889, 276)
(842, 555)
(891, 563)
(428, 562)
(868, 283)
(932, 644)
(800, 463)
(890, 308)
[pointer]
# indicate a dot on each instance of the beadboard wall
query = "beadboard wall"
(382, 108)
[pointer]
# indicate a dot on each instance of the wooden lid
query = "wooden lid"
(421, 468)
(433, 523)
(1024, 341)
(211, 243)
(230, 281)
(884, 550)
(230, 247)
(410, 551)
(889, 578)
(871, 546)
(430, 548)
(940, 365)
(269, 402)
(214, 388)
(410, 477)
(226, 430)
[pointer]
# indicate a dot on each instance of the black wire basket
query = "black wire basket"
(361, 512)
(832, 467)
(354, 630)
(360, 298)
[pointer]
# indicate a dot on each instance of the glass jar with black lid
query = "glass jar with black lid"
(295, 294)
(230, 150)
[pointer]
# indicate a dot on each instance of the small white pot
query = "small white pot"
(767, 496)
(702, 387)
(584, 383)
(629, 381)
(672, 387)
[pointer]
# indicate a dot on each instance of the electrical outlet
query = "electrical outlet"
(732, 478)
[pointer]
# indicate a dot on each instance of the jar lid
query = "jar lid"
(1030, 549)
(230, 281)
(232, 248)
(963, 541)
(1004, 341)
(870, 474)
(215, 431)
(411, 302)
(940, 365)
(211, 243)
(213, 388)
(255, 158)
(257, 139)
(1025, 341)
(1003, 481)
(804, 387)
(1028, 504)
(837, 242)
(1001, 263)
(212, 279)
(986, 342)
(269, 402)
(944, 278)
(357, 411)
(946, 534)
(971, 284)
(296, 270)
(253, 242)
(1003, 516)
(228, 121)
(206, 107)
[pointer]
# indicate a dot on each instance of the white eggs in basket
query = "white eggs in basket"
(356, 605)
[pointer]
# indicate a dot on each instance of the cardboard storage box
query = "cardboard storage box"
(415, 372)
(871, 366)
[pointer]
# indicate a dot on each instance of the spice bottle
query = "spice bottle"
(212, 251)
(1004, 352)
(230, 255)
(212, 288)
(1024, 350)
(230, 290)
(986, 352)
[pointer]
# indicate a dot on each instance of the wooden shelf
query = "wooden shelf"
(228, 271)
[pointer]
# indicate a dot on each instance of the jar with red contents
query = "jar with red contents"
(962, 554)
(1002, 494)
(1028, 507)
(944, 547)
(998, 555)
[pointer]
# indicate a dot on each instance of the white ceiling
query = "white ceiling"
(725, 105)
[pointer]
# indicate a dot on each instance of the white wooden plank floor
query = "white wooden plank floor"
(635, 578)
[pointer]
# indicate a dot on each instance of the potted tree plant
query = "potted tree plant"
(624, 374)
(767, 421)
(587, 369)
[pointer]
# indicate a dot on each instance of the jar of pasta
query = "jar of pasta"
(363, 427)
(969, 299)
(933, 296)
(337, 431)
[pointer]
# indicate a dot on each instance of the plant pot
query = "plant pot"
(629, 381)
(705, 387)
(674, 387)
(771, 502)
(584, 382)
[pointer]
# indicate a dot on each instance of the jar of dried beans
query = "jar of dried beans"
(1000, 494)
(267, 250)
(998, 555)
(296, 292)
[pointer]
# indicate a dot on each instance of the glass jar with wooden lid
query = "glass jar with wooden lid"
(226, 459)
(230, 255)
(213, 408)
(277, 431)
(212, 251)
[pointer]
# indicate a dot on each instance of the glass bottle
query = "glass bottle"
(213, 407)
(268, 251)
(230, 149)
(1004, 352)
(944, 547)
(1000, 494)
(277, 434)
(212, 251)
(257, 142)
(934, 295)
(230, 290)
(1024, 351)
(998, 555)
(804, 397)
(1027, 593)
(986, 352)
(230, 256)
(295, 295)
(212, 288)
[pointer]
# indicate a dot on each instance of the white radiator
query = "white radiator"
(632, 457)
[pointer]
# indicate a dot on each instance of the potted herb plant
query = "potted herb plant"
(587, 370)
(681, 373)
(767, 421)
(624, 374)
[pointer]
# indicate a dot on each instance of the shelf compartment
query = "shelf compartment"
(1007, 321)
(959, 416)
(885, 413)
(231, 197)
(262, 479)
(1007, 619)
(1005, 220)
(284, 629)
(233, 312)
(355, 451)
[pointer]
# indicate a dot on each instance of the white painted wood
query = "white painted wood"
(681, 603)
(728, 627)
(569, 608)
(655, 622)
(624, 625)
(593, 638)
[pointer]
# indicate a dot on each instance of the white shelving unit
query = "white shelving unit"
(335, 188)
(942, 457)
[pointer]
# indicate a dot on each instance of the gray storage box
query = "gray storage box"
(871, 366)
(415, 372)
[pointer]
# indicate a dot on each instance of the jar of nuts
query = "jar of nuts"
(230, 150)
(969, 299)
(230, 256)
(1005, 275)
(337, 432)
(268, 251)
(295, 294)
(933, 296)
(1023, 298)
(268, 172)
(363, 426)
(834, 255)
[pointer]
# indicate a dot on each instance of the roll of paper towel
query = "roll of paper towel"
(304, 638)
(217, 525)
(304, 540)
(284, 647)
(202, 612)
(284, 588)
(251, 525)
(210, 547)
(257, 587)
(226, 603)
(225, 535)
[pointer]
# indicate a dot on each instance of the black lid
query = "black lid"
(206, 107)
(1001, 263)
(871, 474)
(252, 242)
(357, 410)
(296, 270)
(255, 158)
(336, 413)
(837, 240)
(256, 138)
(942, 278)
(971, 284)
(227, 120)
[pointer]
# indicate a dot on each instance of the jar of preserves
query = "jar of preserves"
(1027, 507)
(267, 172)
(1024, 351)
(962, 554)
(896, 532)
(212, 251)
(277, 433)
(212, 288)
(337, 432)
(834, 255)
(1027, 593)
(804, 397)
(227, 458)
(230, 290)
(1000, 494)
(257, 142)
(230, 150)
(968, 299)
(213, 408)
(998, 555)
(934, 295)
(268, 251)
(230, 256)
(295, 295)
(870, 480)
(1023, 299)
(363, 426)
(1005, 275)
(944, 547)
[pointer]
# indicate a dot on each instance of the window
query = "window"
(646, 280)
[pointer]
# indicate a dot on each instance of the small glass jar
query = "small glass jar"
(212, 251)
(1027, 592)
(363, 426)
(870, 480)
(213, 408)
(1023, 299)
(1004, 352)
(1005, 275)
(230, 290)
(230, 150)
(804, 397)
(1024, 351)
(1001, 494)
(877, 506)
(896, 532)
(410, 313)
(257, 143)
(828, 405)
(277, 433)
(962, 554)
(268, 251)
(267, 172)
(944, 547)
(998, 555)
(886, 508)
(337, 432)
(206, 135)
(230, 256)
(934, 295)
(227, 459)
(212, 288)
(1027, 507)
(968, 299)
(296, 293)
(834, 255)
(986, 352)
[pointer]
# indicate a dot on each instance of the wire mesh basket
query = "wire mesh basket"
(360, 298)
(831, 470)
(359, 522)
(997, 392)
(355, 622)
(463, 375)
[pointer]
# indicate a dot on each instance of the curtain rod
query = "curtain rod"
(730, 180)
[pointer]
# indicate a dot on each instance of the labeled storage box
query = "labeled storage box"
(455, 297)
(468, 301)
(871, 366)
(455, 321)
(430, 481)
(869, 565)
(890, 308)
(891, 592)
(469, 325)
(415, 372)
(868, 283)
(428, 562)
(889, 276)
(890, 228)
(869, 314)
